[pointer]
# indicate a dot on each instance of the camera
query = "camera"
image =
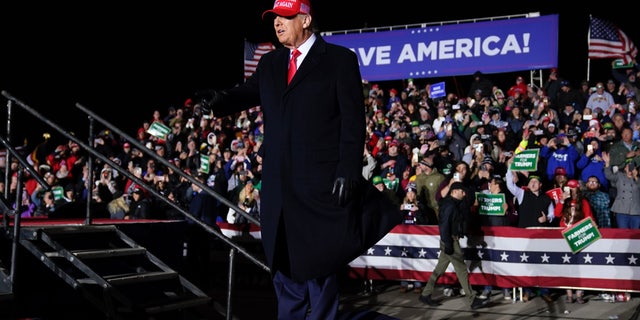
(408, 206)
(456, 176)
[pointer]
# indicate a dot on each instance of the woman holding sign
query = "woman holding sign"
(572, 208)
(489, 216)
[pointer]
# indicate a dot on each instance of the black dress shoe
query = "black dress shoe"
(429, 301)
(479, 303)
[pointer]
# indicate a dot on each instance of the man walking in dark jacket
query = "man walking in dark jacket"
(316, 211)
(451, 230)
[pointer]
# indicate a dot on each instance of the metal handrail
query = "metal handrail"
(234, 247)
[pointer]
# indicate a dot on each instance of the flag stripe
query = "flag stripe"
(509, 257)
(608, 41)
(252, 54)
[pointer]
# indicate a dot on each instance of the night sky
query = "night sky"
(123, 62)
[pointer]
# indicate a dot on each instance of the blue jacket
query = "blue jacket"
(591, 167)
(565, 157)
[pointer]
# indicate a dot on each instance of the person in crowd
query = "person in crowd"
(559, 152)
(626, 204)
(451, 230)
(369, 163)
(44, 203)
(497, 186)
(569, 95)
(322, 157)
(139, 207)
(413, 212)
(573, 206)
(453, 141)
(535, 209)
(599, 201)
(625, 148)
(249, 201)
(600, 100)
(516, 120)
(427, 182)
(592, 164)
(518, 88)
(616, 92)
(481, 86)
(393, 159)
(566, 117)
(118, 208)
(570, 210)
(552, 87)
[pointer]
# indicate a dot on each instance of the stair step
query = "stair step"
(177, 305)
(6, 296)
(108, 253)
(72, 230)
(121, 279)
(5, 286)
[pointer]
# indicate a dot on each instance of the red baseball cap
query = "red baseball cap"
(288, 8)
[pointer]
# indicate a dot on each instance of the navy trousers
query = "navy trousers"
(315, 299)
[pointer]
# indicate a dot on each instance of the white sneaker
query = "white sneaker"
(507, 294)
(485, 294)
(448, 292)
(462, 293)
(607, 297)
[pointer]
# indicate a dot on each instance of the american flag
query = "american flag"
(504, 256)
(608, 41)
(508, 257)
(252, 54)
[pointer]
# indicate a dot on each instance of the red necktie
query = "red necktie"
(292, 65)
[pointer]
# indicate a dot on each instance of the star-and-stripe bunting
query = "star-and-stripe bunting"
(236, 230)
(509, 257)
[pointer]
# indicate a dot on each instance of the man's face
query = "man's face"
(593, 184)
(458, 194)
(290, 30)
(534, 185)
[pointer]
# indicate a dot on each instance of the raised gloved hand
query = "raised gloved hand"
(448, 249)
(343, 188)
(209, 99)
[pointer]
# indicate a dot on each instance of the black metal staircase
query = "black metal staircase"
(6, 292)
(117, 276)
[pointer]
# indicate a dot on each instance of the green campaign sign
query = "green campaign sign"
(490, 204)
(58, 192)
(526, 160)
(581, 234)
(619, 64)
(158, 130)
(204, 163)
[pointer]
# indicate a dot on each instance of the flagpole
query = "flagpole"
(588, 46)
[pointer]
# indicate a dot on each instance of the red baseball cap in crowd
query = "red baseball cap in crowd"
(289, 8)
(560, 171)
(573, 183)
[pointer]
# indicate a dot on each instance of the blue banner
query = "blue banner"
(456, 49)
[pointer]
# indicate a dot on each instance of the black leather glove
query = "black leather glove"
(448, 250)
(343, 188)
(208, 99)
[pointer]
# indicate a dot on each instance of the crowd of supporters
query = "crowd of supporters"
(414, 142)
